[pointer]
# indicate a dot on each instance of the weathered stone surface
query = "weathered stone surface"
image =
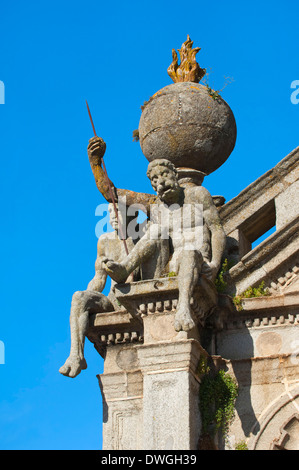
(150, 387)
(286, 206)
(172, 422)
(153, 342)
(269, 202)
(166, 289)
(279, 424)
(266, 403)
(268, 261)
(150, 380)
(185, 125)
(259, 333)
(90, 301)
(253, 211)
(113, 328)
(184, 236)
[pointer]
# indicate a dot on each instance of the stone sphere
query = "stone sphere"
(184, 124)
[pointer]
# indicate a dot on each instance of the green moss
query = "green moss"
(171, 274)
(217, 398)
(237, 300)
(220, 281)
(260, 291)
(202, 366)
(213, 93)
(241, 446)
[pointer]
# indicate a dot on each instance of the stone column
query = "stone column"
(150, 392)
(122, 392)
(171, 418)
(150, 385)
(116, 336)
(169, 363)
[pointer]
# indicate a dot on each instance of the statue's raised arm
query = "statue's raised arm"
(96, 150)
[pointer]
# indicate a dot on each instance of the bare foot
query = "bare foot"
(73, 366)
(183, 319)
(116, 271)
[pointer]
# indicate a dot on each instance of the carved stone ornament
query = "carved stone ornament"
(188, 70)
(289, 435)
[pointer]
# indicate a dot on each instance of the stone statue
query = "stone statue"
(91, 301)
(85, 303)
(189, 255)
(194, 133)
(186, 132)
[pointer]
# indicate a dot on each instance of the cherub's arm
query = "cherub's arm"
(96, 149)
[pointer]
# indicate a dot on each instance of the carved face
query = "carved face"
(124, 218)
(113, 219)
(164, 181)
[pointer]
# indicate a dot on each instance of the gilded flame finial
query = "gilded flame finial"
(188, 70)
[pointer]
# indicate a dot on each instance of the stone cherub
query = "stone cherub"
(91, 300)
(187, 257)
(85, 303)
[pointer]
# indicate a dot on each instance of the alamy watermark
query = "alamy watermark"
(2, 93)
(182, 224)
(2, 353)
(295, 94)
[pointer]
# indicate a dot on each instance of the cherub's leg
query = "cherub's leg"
(83, 304)
(141, 253)
(189, 263)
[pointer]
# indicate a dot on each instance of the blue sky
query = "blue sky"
(53, 56)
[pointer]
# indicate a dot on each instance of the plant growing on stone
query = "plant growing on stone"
(136, 135)
(259, 291)
(172, 274)
(217, 398)
(220, 281)
(215, 94)
(202, 366)
(241, 446)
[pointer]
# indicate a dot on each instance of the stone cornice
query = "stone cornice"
(260, 192)
(263, 262)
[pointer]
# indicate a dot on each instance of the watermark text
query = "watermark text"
(182, 224)
(2, 93)
(295, 94)
(2, 353)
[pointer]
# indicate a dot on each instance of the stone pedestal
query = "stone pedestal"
(171, 418)
(152, 374)
(150, 385)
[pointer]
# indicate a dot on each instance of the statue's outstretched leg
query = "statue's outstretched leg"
(152, 251)
(189, 268)
(84, 303)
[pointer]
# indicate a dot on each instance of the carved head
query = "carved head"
(164, 180)
(123, 216)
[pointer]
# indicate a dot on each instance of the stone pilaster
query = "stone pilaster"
(151, 379)
(171, 418)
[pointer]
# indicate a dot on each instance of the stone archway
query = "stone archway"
(279, 426)
(289, 435)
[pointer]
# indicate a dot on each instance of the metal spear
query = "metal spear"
(109, 186)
